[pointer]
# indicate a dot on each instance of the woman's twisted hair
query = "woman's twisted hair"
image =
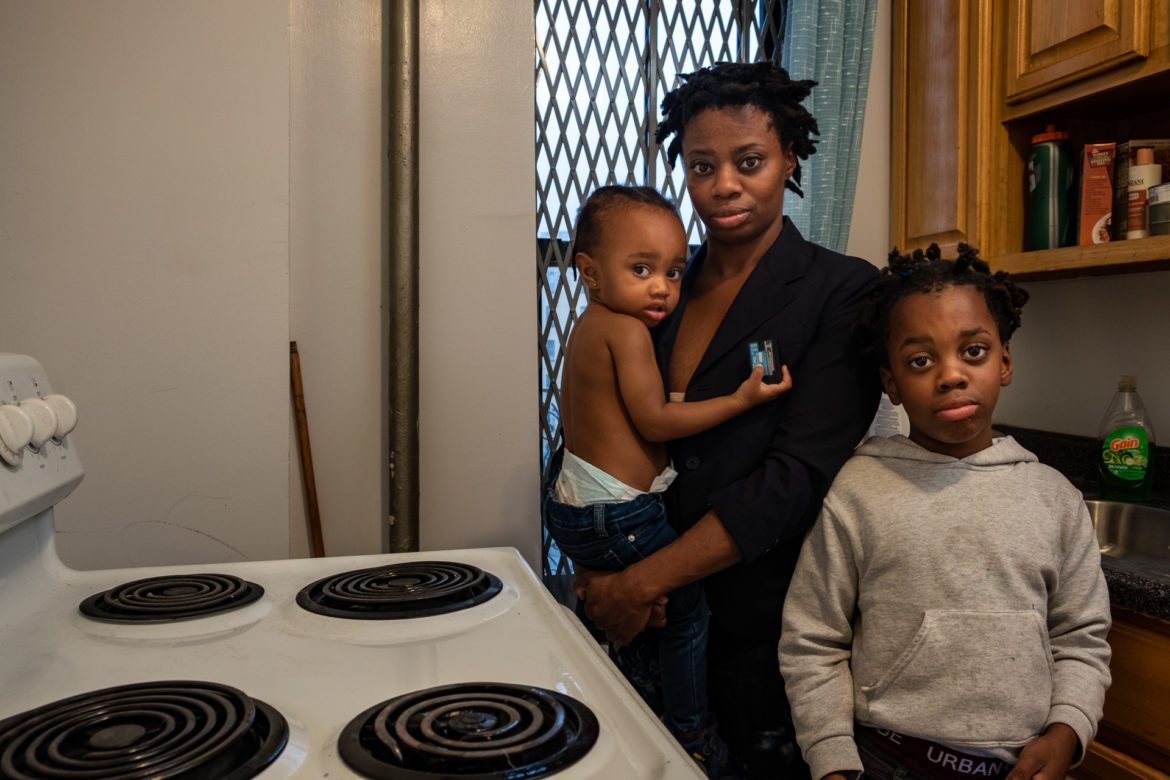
(761, 84)
(923, 272)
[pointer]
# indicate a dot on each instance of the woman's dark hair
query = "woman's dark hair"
(761, 84)
(923, 272)
(603, 201)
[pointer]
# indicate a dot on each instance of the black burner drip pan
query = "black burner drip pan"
(170, 730)
(400, 590)
(171, 597)
(487, 731)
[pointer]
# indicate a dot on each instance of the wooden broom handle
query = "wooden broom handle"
(314, 514)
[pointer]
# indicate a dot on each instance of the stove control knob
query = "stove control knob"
(44, 421)
(66, 412)
(16, 429)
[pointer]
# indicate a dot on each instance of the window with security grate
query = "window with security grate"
(602, 68)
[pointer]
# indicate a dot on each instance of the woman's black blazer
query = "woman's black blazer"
(765, 472)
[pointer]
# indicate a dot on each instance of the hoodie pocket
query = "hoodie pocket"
(968, 678)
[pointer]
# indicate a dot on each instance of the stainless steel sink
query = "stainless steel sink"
(1133, 532)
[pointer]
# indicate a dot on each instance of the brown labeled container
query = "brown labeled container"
(1096, 193)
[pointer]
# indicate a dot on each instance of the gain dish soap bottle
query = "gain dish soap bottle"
(1125, 462)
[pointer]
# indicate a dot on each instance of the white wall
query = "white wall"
(337, 279)
(1077, 338)
(480, 468)
(144, 245)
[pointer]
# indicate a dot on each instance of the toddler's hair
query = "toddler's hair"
(922, 272)
(593, 212)
(764, 85)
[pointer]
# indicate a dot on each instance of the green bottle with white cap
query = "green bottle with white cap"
(1125, 459)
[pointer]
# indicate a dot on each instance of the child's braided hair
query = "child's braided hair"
(923, 272)
(764, 85)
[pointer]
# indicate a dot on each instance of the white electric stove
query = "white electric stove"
(417, 665)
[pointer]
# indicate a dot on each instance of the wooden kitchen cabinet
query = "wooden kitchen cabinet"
(941, 81)
(1051, 43)
(974, 80)
(1133, 739)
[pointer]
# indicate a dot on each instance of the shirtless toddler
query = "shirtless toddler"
(603, 506)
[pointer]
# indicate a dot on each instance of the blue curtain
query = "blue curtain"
(830, 42)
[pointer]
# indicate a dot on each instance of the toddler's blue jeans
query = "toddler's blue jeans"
(613, 536)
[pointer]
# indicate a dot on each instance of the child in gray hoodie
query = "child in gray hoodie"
(948, 614)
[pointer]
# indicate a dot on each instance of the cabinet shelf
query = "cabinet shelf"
(968, 96)
(1116, 257)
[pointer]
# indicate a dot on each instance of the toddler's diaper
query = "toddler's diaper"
(583, 484)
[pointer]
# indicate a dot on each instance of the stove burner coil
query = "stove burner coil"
(491, 731)
(400, 590)
(173, 597)
(164, 730)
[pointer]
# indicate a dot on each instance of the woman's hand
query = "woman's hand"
(618, 604)
(623, 603)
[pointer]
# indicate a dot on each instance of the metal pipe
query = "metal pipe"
(402, 23)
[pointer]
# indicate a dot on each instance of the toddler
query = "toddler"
(948, 614)
(603, 505)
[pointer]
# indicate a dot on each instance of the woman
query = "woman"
(749, 489)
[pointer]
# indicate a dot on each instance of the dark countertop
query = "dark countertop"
(1137, 590)
(1142, 587)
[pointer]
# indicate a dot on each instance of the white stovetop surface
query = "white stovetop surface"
(319, 672)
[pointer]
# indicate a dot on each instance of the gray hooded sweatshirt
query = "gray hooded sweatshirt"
(959, 601)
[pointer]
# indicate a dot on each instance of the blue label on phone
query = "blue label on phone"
(761, 353)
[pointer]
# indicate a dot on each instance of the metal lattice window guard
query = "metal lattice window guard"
(602, 68)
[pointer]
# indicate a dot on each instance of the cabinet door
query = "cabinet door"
(1133, 738)
(1055, 42)
(941, 77)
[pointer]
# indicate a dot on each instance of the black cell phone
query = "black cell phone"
(764, 353)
